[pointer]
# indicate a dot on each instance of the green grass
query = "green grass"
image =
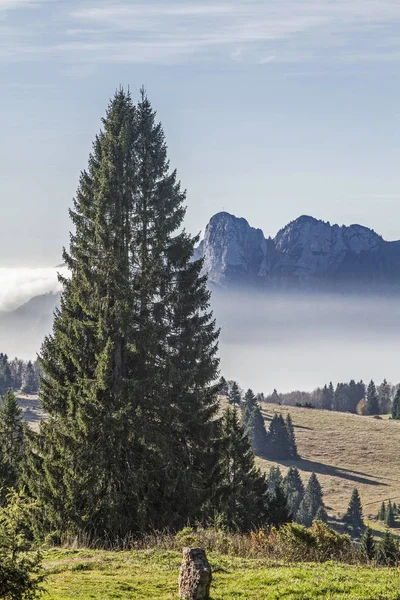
(145, 575)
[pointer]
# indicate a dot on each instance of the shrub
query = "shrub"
(19, 565)
(317, 543)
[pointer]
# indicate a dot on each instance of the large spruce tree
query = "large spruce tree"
(129, 369)
(372, 399)
(353, 518)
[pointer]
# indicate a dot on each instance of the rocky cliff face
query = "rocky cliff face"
(306, 254)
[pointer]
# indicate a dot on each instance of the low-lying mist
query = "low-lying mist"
(295, 341)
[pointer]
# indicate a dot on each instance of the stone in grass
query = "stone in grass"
(195, 575)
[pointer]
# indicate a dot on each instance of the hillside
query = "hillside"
(345, 451)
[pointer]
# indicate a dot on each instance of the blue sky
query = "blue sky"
(271, 108)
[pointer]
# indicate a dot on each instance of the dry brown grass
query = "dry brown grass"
(345, 451)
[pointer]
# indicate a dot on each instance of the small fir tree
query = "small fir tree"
(235, 397)
(278, 510)
(368, 544)
(279, 445)
(312, 500)
(294, 490)
(321, 515)
(29, 382)
(384, 397)
(389, 515)
(372, 399)
(292, 438)
(243, 500)
(12, 441)
(382, 512)
(253, 423)
(396, 405)
(274, 478)
(388, 551)
(223, 386)
(353, 518)
(326, 400)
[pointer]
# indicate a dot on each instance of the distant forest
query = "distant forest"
(18, 375)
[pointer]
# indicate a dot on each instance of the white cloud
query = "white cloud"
(18, 285)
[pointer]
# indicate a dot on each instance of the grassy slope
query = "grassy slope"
(83, 575)
(345, 451)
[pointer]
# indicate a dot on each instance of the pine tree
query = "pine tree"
(354, 518)
(294, 490)
(321, 514)
(234, 395)
(243, 501)
(331, 394)
(396, 405)
(274, 478)
(326, 400)
(382, 512)
(389, 515)
(368, 544)
(279, 444)
(278, 508)
(253, 423)
(372, 400)
(12, 441)
(130, 365)
(29, 382)
(384, 397)
(275, 398)
(312, 500)
(5, 374)
(292, 438)
(223, 386)
(388, 551)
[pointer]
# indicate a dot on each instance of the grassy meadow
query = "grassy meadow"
(345, 451)
(141, 575)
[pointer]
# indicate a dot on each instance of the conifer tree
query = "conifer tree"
(326, 401)
(234, 395)
(372, 399)
(354, 518)
(331, 394)
(274, 478)
(388, 551)
(368, 544)
(382, 512)
(384, 398)
(321, 514)
(279, 443)
(312, 500)
(12, 441)
(389, 515)
(396, 405)
(223, 386)
(29, 382)
(294, 490)
(253, 423)
(5, 374)
(278, 508)
(292, 438)
(243, 501)
(129, 369)
(275, 398)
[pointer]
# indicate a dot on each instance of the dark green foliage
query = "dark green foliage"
(12, 441)
(20, 577)
(278, 509)
(382, 512)
(243, 501)
(30, 384)
(368, 544)
(294, 490)
(353, 518)
(223, 386)
(234, 395)
(281, 441)
(312, 500)
(5, 374)
(372, 400)
(389, 515)
(129, 369)
(292, 438)
(274, 478)
(396, 405)
(326, 400)
(321, 515)
(253, 424)
(388, 551)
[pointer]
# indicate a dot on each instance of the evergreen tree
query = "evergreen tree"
(368, 544)
(372, 400)
(389, 515)
(234, 395)
(331, 394)
(12, 441)
(382, 512)
(278, 508)
(5, 374)
(274, 478)
(354, 518)
(326, 401)
(388, 551)
(312, 500)
(294, 490)
(275, 398)
(243, 500)
(292, 439)
(253, 423)
(29, 382)
(396, 405)
(130, 365)
(321, 514)
(384, 397)
(279, 443)
(354, 396)
(223, 386)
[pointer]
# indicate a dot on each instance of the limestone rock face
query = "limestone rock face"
(307, 254)
(195, 575)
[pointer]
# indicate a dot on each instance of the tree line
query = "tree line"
(19, 375)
